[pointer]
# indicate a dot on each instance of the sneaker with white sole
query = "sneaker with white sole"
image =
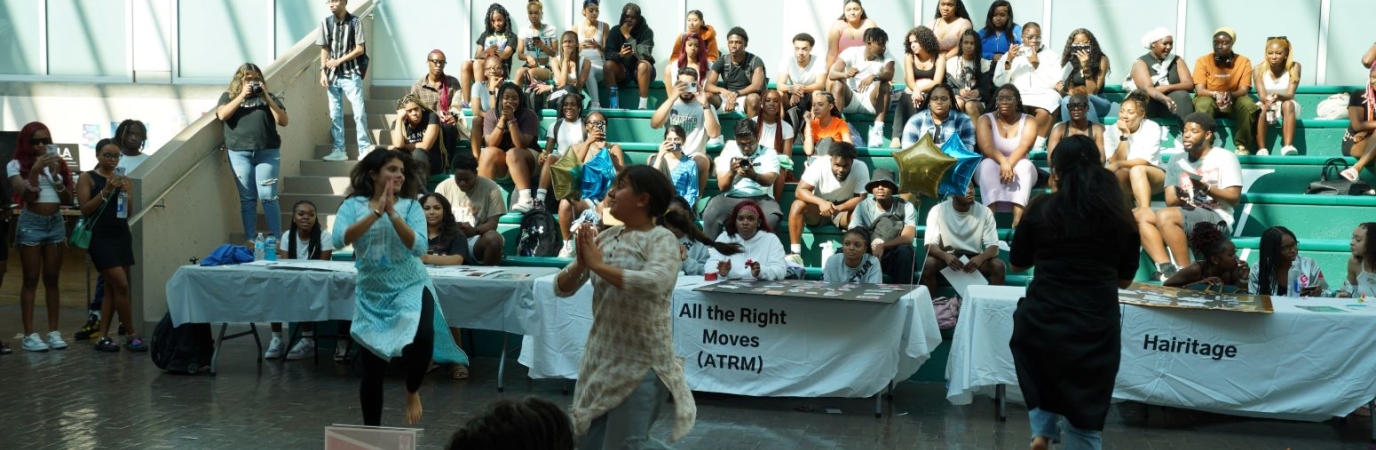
(794, 258)
(33, 343)
(337, 155)
(523, 203)
(274, 349)
(567, 250)
(876, 139)
(303, 349)
(1262, 152)
(1289, 150)
(55, 341)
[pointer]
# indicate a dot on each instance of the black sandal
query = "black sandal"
(106, 344)
(5, 348)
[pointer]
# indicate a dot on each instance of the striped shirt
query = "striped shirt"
(340, 38)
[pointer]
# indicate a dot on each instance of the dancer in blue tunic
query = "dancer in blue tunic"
(395, 313)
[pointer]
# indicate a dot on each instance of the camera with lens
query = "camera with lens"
(255, 88)
(1079, 47)
(740, 162)
(600, 126)
(678, 148)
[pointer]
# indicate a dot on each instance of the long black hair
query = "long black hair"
(961, 12)
(1096, 54)
(1087, 200)
(1270, 256)
(487, 19)
(449, 226)
(313, 248)
(684, 220)
(528, 424)
(1007, 30)
(361, 180)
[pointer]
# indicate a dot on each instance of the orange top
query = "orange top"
(709, 39)
(838, 130)
(1207, 74)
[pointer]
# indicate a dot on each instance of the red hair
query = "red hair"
(23, 152)
(682, 49)
(730, 225)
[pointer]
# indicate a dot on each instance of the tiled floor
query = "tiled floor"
(82, 399)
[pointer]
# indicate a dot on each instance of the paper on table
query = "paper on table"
(461, 271)
(310, 264)
(962, 280)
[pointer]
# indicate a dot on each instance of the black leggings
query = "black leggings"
(415, 357)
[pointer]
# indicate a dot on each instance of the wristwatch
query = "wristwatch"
(378, 212)
(1123, 138)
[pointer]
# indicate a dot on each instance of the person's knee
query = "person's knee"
(796, 208)
(644, 69)
(932, 266)
(996, 268)
(1169, 217)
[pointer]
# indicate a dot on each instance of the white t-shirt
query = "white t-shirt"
(971, 231)
(769, 130)
(825, 185)
(691, 117)
(803, 76)
(765, 161)
(546, 34)
(47, 183)
(303, 245)
(1145, 144)
(129, 163)
(570, 134)
(1218, 168)
(854, 58)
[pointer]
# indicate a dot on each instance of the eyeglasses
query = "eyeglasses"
(41, 141)
(1005, 99)
(110, 155)
(1077, 105)
(1037, 38)
(438, 62)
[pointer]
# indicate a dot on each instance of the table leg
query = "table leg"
(215, 358)
(1000, 403)
(501, 365)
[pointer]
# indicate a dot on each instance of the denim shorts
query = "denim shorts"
(37, 230)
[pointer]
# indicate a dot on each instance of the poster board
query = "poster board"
(878, 293)
(353, 437)
(1155, 296)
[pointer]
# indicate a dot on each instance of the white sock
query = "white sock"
(540, 194)
(795, 248)
(525, 195)
(644, 102)
(277, 335)
(1041, 143)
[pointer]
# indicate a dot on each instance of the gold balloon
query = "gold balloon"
(921, 166)
(565, 176)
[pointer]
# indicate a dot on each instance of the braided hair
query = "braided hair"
(1206, 240)
(1270, 258)
(124, 127)
(531, 423)
(313, 248)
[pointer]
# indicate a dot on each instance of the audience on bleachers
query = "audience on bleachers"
(689, 52)
(103, 195)
(892, 225)
(827, 194)
(303, 241)
(537, 47)
(510, 134)
(856, 262)
(695, 25)
(342, 68)
(592, 38)
(1216, 265)
(1222, 84)
(949, 24)
(940, 121)
(1163, 76)
(1089, 66)
(437, 92)
(1133, 144)
(801, 74)
(695, 247)
(966, 73)
(478, 205)
(689, 109)
(1361, 116)
(570, 71)
(1079, 123)
(630, 48)
(823, 123)
(1035, 70)
(42, 183)
(745, 173)
(600, 161)
(1360, 281)
(924, 68)
(251, 114)
(497, 40)
(961, 234)
(1202, 186)
(1006, 176)
(776, 134)
(762, 256)
(485, 93)
(847, 31)
(686, 171)
(417, 132)
(860, 80)
(1277, 77)
(1280, 260)
(566, 132)
(742, 77)
(1000, 33)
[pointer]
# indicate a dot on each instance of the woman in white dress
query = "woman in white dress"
(1037, 73)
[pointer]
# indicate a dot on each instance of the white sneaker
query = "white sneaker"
(55, 341)
(794, 258)
(1349, 173)
(567, 250)
(33, 343)
(304, 348)
(336, 155)
(523, 202)
(1289, 150)
(1263, 152)
(274, 349)
(876, 139)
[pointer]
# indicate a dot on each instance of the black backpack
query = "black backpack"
(539, 234)
(185, 349)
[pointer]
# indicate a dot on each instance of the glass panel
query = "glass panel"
(19, 39)
(296, 19)
(216, 36)
(88, 38)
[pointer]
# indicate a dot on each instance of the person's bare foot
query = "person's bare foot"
(413, 410)
(1040, 443)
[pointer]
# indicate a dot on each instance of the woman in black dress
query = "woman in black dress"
(1066, 330)
(103, 194)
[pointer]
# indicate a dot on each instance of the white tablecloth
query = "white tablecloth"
(815, 348)
(256, 293)
(1294, 364)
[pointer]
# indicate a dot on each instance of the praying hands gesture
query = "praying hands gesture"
(589, 254)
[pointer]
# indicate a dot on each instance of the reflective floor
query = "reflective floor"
(83, 399)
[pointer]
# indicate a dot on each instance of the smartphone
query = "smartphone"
(693, 87)
(678, 148)
(600, 126)
(119, 172)
(626, 45)
(1079, 47)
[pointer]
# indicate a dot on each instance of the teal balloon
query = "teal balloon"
(957, 179)
(921, 166)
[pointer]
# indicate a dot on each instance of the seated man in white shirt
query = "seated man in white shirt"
(689, 110)
(961, 227)
(892, 223)
(830, 190)
(803, 74)
(745, 171)
(861, 78)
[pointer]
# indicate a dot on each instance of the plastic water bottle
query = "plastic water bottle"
(828, 249)
(270, 247)
(122, 200)
(258, 244)
(615, 100)
(1295, 286)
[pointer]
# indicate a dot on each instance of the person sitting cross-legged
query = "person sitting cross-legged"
(892, 225)
(828, 192)
(961, 234)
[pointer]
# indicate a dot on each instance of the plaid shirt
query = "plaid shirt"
(956, 124)
(431, 96)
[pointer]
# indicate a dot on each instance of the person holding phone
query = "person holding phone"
(1202, 185)
(683, 170)
(592, 37)
(535, 47)
(103, 193)
(1086, 66)
(689, 110)
(497, 40)
(43, 183)
(1036, 71)
(601, 162)
(630, 55)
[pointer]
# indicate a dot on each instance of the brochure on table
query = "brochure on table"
(1155, 296)
(878, 293)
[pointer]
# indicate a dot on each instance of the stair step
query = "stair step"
(315, 185)
(319, 168)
